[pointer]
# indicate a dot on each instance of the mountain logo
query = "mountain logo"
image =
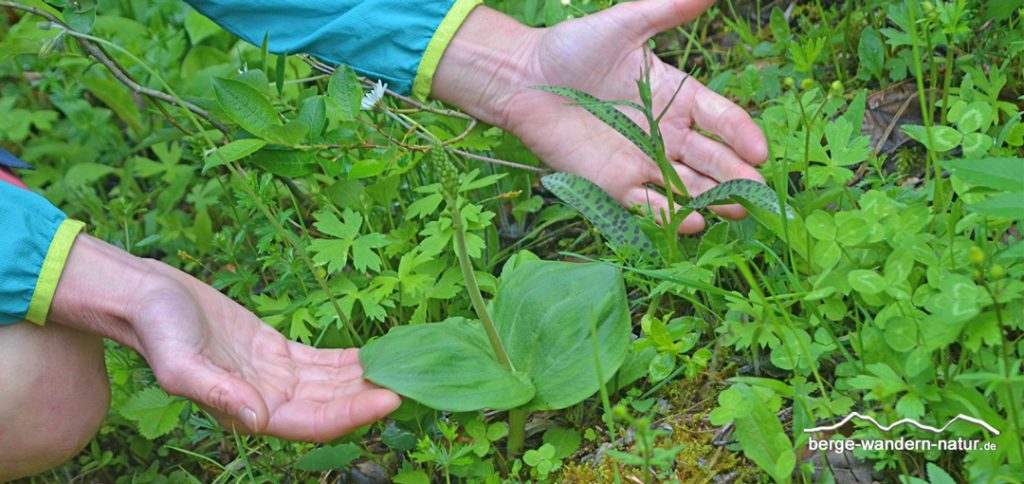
(906, 421)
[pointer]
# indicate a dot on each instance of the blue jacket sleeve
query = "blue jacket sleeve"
(381, 39)
(35, 238)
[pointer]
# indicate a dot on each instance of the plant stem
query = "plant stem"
(516, 431)
(473, 288)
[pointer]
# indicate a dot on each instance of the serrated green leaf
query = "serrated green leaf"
(614, 222)
(752, 191)
(247, 107)
(607, 112)
(155, 412)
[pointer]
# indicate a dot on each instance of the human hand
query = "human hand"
(205, 347)
(603, 54)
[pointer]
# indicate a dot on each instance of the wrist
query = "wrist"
(486, 64)
(97, 287)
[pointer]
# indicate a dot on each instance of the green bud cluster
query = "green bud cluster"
(445, 171)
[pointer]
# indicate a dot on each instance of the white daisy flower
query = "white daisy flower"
(371, 98)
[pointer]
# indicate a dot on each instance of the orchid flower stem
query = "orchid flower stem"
(516, 417)
(473, 288)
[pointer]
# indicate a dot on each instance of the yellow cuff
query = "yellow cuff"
(435, 49)
(53, 266)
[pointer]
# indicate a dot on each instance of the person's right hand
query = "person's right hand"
(602, 55)
(207, 348)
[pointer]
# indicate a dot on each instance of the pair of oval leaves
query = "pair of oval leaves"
(546, 314)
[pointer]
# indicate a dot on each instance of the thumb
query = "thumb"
(649, 17)
(233, 401)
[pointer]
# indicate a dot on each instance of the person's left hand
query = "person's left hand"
(208, 348)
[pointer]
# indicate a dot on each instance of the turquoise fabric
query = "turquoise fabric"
(27, 225)
(380, 39)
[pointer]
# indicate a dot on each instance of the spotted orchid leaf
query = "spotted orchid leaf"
(615, 223)
(608, 113)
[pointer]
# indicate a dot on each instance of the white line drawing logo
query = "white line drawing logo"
(909, 421)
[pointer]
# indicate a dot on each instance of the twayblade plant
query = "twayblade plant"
(556, 332)
(550, 321)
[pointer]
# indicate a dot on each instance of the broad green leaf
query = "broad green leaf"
(762, 437)
(607, 112)
(284, 161)
(938, 476)
(997, 173)
(779, 25)
(447, 366)
(752, 191)
(233, 151)
(615, 223)
(544, 312)
(246, 106)
(346, 92)
(314, 113)
(329, 457)
(156, 412)
(1004, 205)
(943, 138)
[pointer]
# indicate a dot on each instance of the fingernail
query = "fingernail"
(249, 417)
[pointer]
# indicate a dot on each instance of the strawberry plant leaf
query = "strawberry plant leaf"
(614, 222)
(156, 412)
(607, 112)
